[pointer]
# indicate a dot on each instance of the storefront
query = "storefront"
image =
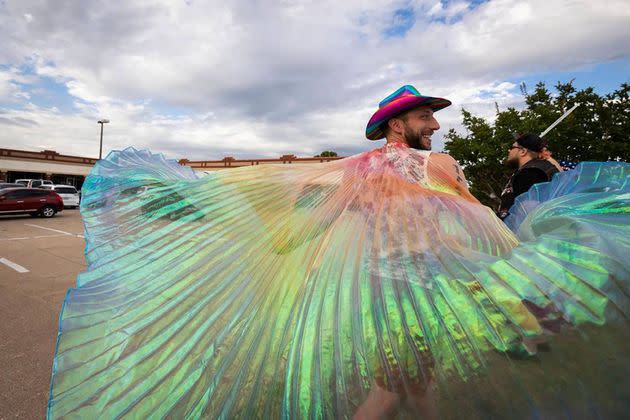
(48, 164)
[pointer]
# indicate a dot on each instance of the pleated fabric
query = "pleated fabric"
(375, 282)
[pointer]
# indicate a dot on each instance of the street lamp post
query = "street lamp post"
(100, 150)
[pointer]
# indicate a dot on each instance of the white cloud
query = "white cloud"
(11, 90)
(451, 10)
(249, 79)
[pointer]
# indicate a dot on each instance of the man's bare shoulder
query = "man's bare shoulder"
(444, 164)
(443, 158)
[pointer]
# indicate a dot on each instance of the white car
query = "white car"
(68, 194)
(34, 183)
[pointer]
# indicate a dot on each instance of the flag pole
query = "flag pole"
(556, 122)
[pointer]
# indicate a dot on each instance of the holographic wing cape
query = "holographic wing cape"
(374, 284)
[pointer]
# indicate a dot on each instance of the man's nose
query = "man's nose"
(434, 124)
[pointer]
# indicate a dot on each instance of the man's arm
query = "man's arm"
(555, 163)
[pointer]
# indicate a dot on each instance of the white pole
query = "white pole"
(559, 120)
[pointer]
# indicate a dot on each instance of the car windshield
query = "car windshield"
(65, 190)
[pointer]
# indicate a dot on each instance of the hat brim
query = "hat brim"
(374, 131)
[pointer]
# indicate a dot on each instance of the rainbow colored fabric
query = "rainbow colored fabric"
(332, 290)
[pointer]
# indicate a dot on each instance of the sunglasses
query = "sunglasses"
(515, 147)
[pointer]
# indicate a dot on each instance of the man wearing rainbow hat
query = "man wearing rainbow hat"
(408, 117)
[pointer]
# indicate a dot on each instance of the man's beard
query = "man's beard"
(414, 140)
(511, 163)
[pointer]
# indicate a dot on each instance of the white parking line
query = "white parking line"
(16, 267)
(52, 230)
(49, 236)
(33, 237)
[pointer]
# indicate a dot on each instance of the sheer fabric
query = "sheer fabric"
(315, 290)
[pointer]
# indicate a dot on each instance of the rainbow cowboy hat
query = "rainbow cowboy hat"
(402, 100)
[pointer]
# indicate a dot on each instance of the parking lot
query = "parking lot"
(39, 260)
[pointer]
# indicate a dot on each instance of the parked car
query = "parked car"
(9, 185)
(68, 193)
(34, 201)
(33, 183)
(157, 196)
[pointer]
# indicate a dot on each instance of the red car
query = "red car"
(33, 201)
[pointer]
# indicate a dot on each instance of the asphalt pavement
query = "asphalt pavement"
(39, 260)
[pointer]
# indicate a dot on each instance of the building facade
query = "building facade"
(72, 170)
(48, 164)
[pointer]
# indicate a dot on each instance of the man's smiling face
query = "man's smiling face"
(419, 126)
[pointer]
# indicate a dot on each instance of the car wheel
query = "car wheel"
(48, 211)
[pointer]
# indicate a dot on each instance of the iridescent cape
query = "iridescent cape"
(319, 290)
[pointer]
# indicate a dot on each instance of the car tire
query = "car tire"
(48, 211)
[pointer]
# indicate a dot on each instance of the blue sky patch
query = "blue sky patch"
(402, 21)
(603, 77)
(48, 93)
(168, 111)
(43, 91)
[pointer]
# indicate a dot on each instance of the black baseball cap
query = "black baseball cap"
(531, 142)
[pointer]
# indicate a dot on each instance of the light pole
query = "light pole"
(100, 150)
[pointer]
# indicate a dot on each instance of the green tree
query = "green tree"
(327, 153)
(598, 130)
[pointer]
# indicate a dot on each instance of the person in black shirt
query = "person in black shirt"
(523, 156)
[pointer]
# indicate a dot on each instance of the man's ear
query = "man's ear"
(395, 125)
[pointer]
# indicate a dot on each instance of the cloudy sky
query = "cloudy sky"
(253, 78)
